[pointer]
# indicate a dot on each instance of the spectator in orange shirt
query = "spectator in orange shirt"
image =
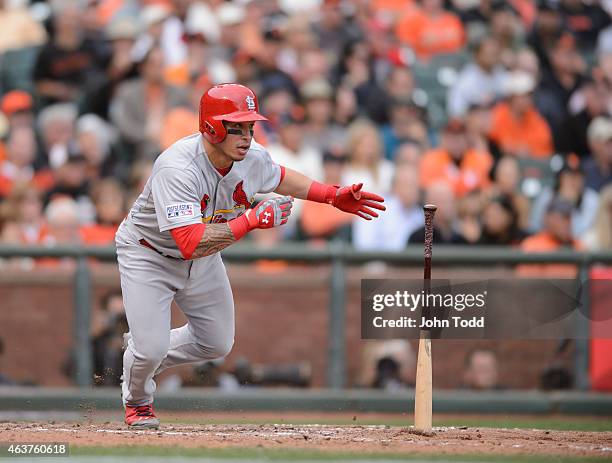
(22, 213)
(109, 200)
(431, 30)
(557, 234)
(18, 165)
(518, 128)
(455, 162)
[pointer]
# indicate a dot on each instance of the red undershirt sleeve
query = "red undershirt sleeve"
(188, 237)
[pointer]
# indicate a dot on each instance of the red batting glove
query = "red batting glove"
(267, 214)
(348, 199)
(270, 213)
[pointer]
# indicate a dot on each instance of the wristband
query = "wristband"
(321, 193)
(240, 226)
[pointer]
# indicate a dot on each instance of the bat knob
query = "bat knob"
(430, 207)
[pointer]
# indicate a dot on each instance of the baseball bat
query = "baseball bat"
(423, 385)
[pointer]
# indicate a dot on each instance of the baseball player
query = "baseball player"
(197, 202)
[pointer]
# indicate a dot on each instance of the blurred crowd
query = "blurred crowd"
(499, 112)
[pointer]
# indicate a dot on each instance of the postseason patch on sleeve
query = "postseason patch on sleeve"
(179, 211)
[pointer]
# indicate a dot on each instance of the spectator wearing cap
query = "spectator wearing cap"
(367, 164)
(19, 28)
(597, 167)
(569, 186)
(455, 162)
(430, 30)
(140, 105)
(479, 81)
(320, 132)
(445, 224)
(555, 235)
(67, 62)
(518, 128)
(559, 81)
(17, 106)
(18, 166)
(404, 215)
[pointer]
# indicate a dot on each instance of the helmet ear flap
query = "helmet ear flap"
(213, 130)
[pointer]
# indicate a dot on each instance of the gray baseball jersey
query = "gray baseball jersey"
(184, 188)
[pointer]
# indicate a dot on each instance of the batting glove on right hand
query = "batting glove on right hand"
(270, 213)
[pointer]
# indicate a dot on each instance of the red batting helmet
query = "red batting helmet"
(226, 102)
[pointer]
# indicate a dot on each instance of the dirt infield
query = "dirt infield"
(373, 439)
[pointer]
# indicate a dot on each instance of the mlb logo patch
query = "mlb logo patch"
(179, 211)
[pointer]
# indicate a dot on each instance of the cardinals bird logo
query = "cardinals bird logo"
(240, 197)
(204, 203)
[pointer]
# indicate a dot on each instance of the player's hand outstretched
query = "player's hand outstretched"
(270, 213)
(362, 203)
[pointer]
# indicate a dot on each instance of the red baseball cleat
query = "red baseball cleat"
(141, 416)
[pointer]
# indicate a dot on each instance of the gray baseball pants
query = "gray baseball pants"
(150, 282)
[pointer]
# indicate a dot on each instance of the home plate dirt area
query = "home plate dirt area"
(328, 438)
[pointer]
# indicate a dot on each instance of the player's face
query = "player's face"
(238, 139)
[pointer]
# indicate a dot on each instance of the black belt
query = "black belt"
(146, 244)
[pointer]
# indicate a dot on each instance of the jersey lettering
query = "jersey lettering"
(219, 219)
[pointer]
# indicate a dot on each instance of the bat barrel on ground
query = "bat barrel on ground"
(423, 386)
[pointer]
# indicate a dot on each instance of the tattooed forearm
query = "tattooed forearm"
(217, 236)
